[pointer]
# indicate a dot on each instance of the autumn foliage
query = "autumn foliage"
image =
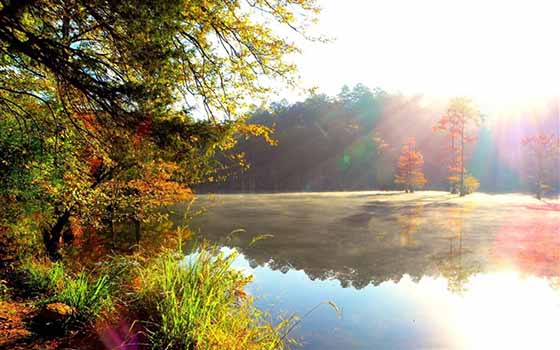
(409, 168)
(459, 124)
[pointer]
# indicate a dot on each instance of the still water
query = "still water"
(409, 271)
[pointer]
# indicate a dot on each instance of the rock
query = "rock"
(54, 313)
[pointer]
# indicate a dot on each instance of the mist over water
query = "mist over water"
(422, 270)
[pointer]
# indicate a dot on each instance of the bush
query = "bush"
(199, 302)
(471, 184)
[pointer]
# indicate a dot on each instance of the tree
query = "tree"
(409, 168)
(106, 99)
(542, 151)
(459, 123)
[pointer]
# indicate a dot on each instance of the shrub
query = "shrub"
(89, 297)
(471, 184)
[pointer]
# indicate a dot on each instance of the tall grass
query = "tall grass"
(89, 296)
(199, 302)
(42, 277)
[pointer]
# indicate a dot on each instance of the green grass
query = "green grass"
(42, 277)
(89, 296)
(199, 302)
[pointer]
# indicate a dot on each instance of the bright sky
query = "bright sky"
(501, 53)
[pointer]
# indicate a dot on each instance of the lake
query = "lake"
(426, 270)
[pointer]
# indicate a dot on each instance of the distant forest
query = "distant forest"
(351, 142)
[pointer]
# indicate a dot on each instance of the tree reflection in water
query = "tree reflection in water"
(452, 264)
(362, 239)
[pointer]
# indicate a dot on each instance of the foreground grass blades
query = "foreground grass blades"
(199, 302)
(88, 296)
(177, 302)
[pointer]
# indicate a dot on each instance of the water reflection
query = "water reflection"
(420, 271)
(452, 264)
(409, 223)
(499, 310)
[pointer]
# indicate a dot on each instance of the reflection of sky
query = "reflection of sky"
(499, 310)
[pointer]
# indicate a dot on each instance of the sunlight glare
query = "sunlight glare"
(507, 311)
(501, 53)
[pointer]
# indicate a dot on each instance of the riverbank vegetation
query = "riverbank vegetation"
(170, 301)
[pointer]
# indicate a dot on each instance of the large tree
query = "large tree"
(459, 123)
(105, 97)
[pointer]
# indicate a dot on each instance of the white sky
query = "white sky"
(498, 52)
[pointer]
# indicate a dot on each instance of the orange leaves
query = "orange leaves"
(459, 124)
(143, 129)
(460, 117)
(409, 168)
(95, 164)
(154, 185)
(90, 122)
(541, 141)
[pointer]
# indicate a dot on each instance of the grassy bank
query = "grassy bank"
(168, 301)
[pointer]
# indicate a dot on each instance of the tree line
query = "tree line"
(363, 139)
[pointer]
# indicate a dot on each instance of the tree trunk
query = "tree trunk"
(112, 229)
(462, 161)
(137, 232)
(51, 237)
(453, 164)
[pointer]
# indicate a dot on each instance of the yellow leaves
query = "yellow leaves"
(471, 184)
(258, 130)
